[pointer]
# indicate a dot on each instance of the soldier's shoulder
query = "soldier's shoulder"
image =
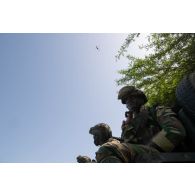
(113, 140)
(164, 110)
(110, 142)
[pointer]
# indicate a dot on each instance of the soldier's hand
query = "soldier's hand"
(83, 159)
(129, 118)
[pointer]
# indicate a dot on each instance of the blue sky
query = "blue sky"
(54, 87)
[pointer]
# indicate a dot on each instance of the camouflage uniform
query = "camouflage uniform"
(114, 151)
(151, 131)
(157, 126)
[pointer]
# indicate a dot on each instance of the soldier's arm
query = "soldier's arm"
(172, 131)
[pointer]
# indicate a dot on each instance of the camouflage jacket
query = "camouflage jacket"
(157, 127)
(125, 152)
(112, 148)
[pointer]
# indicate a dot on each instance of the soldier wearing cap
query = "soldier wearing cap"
(157, 127)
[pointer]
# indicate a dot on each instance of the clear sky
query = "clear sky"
(54, 87)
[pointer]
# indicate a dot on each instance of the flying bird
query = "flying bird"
(97, 48)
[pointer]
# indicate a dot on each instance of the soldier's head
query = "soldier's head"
(132, 97)
(83, 159)
(101, 133)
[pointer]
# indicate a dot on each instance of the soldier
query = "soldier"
(101, 134)
(83, 159)
(112, 149)
(157, 127)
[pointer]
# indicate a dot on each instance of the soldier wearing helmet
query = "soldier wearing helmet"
(130, 91)
(107, 151)
(101, 134)
(157, 126)
(83, 159)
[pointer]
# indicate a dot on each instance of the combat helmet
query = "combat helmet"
(129, 91)
(101, 127)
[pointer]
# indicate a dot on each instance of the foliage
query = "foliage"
(158, 73)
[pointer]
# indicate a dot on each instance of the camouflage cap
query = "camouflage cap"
(100, 127)
(129, 91)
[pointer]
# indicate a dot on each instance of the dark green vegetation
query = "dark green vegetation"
(158, 73)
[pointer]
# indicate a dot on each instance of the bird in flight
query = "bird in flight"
(97, 48)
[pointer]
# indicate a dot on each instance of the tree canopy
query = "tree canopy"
(170, 57)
